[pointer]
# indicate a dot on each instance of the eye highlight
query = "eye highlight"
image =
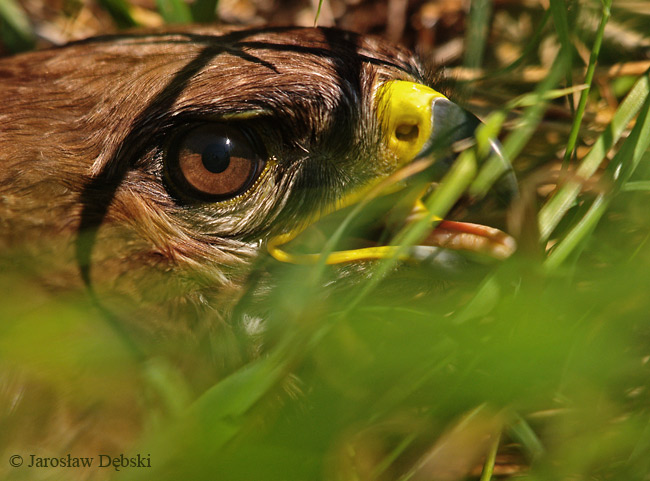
(214, 162)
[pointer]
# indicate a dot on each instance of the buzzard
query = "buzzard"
(153, 170)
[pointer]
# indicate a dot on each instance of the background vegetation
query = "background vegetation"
(411, 375)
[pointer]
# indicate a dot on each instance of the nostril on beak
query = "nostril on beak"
(407, 132)
(404, 110)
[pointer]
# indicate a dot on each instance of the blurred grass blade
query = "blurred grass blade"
(334, 239)
(484, 301)
(515, 142)
(318, 9)
(531, 46)
(634, 148)
(642, 446)
(214, 419)
(553, 211)
(520, 431)
(476, 34)
(589, 77)
(383, 466)
(16, 31)
(461, 447)
(477, 31)
(529, 100)
(120, 12)
(488, 131)
(168, 382)
(640, 185)
(451, 188)
(580, 231)
(204, 11)
(174, 11)
(559, 11)
(490, 461)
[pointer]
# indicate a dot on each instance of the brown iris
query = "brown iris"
(214, 162)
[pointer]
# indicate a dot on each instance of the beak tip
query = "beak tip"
(505, 186)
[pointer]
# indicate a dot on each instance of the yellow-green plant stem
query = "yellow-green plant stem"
(555, 209)
(517, 140)
(589, 77)
(488, 467)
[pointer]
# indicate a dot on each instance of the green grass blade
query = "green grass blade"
(168, 382)
(490, 461)
(451, 188)
(204, 11)
(578, 234)
(383, 466)
(635, 147)
(553, 211)
(619, 170)
(640, 185)
(517, 140)
(559, 12)
(486, 298)
(530, 100)
(215, 418)
(120, 12)
(521, 431)
(174, 11)
(480, 12)
(320, 4)
(595, 52)
(16, 31)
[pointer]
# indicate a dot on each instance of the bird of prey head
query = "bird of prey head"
(156, 167)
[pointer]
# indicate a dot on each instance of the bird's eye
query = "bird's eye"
(214, 162)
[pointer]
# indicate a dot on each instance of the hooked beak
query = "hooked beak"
(417, 122)
(457, 126)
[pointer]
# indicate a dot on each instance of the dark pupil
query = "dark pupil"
(216, 155)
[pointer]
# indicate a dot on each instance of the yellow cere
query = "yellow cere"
(404, 109)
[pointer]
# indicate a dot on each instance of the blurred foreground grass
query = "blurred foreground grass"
(410, 375)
